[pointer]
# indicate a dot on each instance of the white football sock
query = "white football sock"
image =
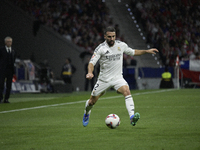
(87, 108)
(129, 105)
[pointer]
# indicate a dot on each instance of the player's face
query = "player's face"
(110, 38)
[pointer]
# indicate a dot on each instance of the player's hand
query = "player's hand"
(89, 76)
(152, 51)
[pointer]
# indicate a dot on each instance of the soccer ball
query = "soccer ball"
(112, 121)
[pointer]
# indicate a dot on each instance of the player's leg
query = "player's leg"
(98, 91)
(123, 88)
(128, 99)
(88, 106)
(90, 103)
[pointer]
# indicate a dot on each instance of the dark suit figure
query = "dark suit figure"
(7, 59)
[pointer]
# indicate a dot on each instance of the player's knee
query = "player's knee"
(124, 90)
(127, 92)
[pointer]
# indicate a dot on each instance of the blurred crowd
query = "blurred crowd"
(172, 26)
(79, 21)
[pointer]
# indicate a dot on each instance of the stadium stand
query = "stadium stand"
(81, 22)
(171, 26)
(167, 26)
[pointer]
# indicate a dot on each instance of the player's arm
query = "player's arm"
(150, 51)
(95, 57)
(90, 74)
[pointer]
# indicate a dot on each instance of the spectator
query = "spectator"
(80, 22)
(166, 81)
(67, 71)
(176, 21)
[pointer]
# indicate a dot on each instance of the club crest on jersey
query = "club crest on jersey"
(119, 49)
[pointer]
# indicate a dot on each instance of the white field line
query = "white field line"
(83, 101)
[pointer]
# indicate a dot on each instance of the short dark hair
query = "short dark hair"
(109, 29)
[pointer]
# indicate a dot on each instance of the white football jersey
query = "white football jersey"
(111, 59)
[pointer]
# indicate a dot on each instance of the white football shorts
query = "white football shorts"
(101, 87)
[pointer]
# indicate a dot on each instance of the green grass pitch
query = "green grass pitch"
(170, 120)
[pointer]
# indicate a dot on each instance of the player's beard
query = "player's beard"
(110, 43)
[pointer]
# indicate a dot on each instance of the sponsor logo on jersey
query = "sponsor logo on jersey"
(114, 57)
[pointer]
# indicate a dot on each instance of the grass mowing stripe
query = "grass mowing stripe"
(69, 103)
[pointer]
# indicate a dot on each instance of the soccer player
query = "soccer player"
(110, 57)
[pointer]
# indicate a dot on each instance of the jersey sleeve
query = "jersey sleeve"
(96, 55)
(128, 50)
